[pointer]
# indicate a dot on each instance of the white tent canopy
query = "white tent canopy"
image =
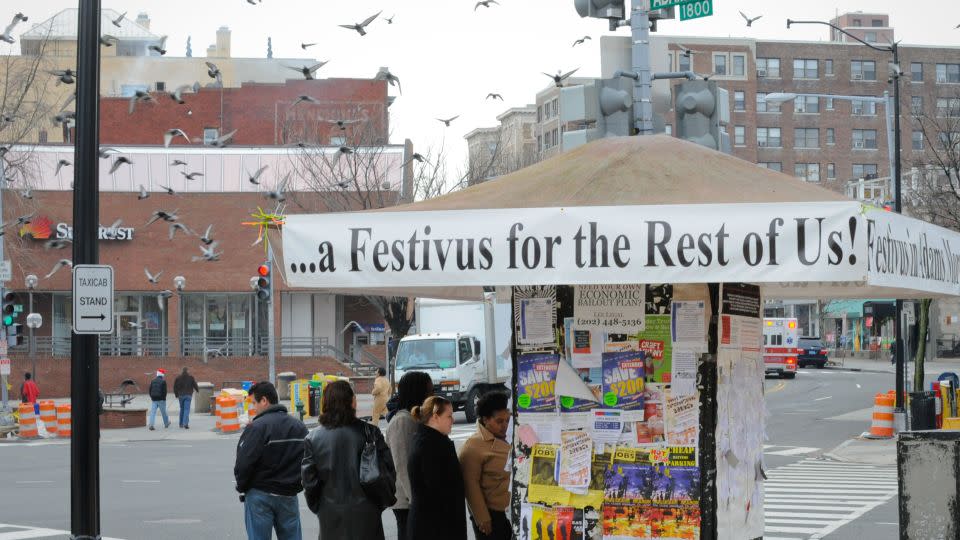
(630, 210)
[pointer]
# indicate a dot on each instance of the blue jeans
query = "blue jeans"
(263, 512)
(185, 410)
(162, 405)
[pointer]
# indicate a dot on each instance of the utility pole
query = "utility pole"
(271, 335)
(643, 84)
(4, 412)
(85, 353)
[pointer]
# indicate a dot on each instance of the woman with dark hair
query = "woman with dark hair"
(482, 460)
(412, 390)
(436, 484)
(331, 469)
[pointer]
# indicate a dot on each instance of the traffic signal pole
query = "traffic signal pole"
(3, 379)
(643, 84)
(84, 352)
(272, 353)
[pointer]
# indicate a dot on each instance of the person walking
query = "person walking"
(29, 391)
(331, 469)
(412, 390)
(436, 483)
(267, 469)
(183, 388)
(381, 393)
(483, 459)
(158, 398)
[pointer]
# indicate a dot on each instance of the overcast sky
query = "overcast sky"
(449, 56)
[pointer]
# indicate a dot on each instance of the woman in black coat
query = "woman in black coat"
(436, 484)
(331, 469)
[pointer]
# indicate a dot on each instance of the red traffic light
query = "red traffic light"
(263, 270)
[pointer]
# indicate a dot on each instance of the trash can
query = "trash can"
(923, 411)
(316, 394)
(283, 384)
(202, 403)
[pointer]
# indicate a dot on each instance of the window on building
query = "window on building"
(948, 73)
(831, 171)
(870, 37)
(863, 108)
(949, 140)
(739, 65)
(161, 86)
(768, 136)
(806, 138)
(739, 135)
(865, 139)
(210, 134)
(764, 106)
(805, 68)
(828, 67)
(668, 129)
(948, 107)
(916, 72)
(540, 114)
(806, 104)
(916, 105)
(772, 165)
(807, 171)
(555, 135)
(831, 137)
(126, 47)
(540, 143)
(877, 23)
(719, 64)
(863, 70)
(858, 22)
(42, 136)
(829, 103)
(916, 139)
(220, 323)
(555, 108)
(739, 100)
(768, 67)
(684, 62)
(338, 140)
(865, 170)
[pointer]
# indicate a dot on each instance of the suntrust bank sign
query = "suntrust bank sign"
(65, 232)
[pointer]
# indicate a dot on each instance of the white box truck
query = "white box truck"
(451, 346)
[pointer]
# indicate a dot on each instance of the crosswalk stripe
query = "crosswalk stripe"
(792, 451)
(814, 497)
(32, 532)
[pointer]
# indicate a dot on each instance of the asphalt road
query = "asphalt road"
(164, 489)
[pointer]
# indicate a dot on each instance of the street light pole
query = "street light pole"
(84, 352)
(899, 411)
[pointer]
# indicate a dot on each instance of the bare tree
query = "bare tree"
(934, 183)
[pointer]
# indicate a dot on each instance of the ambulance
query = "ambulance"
(780, 340)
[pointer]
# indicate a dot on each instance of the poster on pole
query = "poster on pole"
(613, 308)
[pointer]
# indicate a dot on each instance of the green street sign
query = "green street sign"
(696, 9)
(18, 308)
(660, 4)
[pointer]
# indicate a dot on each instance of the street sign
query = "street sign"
(6, 271)
(4, 366)
(660, 4)
(696, 9)
(92, 299)
(18, 308)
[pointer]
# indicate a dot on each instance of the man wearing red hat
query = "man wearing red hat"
(158, 397)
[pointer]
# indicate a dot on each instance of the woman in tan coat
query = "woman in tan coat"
(483, 461)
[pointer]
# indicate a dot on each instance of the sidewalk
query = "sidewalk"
(201, 425)
(931, 368)
(866, 451)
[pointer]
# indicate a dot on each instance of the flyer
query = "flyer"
(624, 521)
(651, 429)
(628, 482)
(614, 308)
(536, 382)
(586, 348)
(536, 321)
(687, 325)
(544, 523)
(656, 342)
(684, 377)
(682, 419)
(623, 382)
(576, 451)
(606, 426)
(543, 488)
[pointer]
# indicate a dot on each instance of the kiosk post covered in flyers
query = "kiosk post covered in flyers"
(637, 269)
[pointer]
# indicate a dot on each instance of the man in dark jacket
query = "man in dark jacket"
(268, 468)
(183, 389)
(158, 398)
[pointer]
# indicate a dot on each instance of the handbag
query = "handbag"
(378, 477)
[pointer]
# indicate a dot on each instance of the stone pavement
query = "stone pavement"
(866, 451)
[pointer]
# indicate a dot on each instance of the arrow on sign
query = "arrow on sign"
(101, 317)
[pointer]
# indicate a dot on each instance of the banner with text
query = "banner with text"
(757, 243)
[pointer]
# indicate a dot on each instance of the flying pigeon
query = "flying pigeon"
(222, 141)
(177, 94)
(178, 162)
(108, 40)
(304, 46)
(161, 296)
(301, 99)
(494, 96)
(191, 176)
(159, 47)
(581, 40)
(207, 237)
(5, 36)
(448, 120)
(61, 164)
(151, 277)
(144, 194)
(342, 124)
(255, 177)
(208, 253)
(56, 243)
(390, 19)
(174, 227)
(171, 134)
(415, 157)
(385, 75)
(168, 189)
(60, 264)
(118, 162)
(277, 194)
(485, 3)
(360, 27)
(308, 71)
(558, 78)
(64, 76)
(116, 22)
(169, 217)
(214, 72)
(140, 95)
(748, 19)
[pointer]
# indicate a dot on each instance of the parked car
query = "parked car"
(811, 352)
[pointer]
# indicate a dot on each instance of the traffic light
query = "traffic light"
(702, 110)
(600, 9)
(603, 108)
(10, 300)
(263, 281)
